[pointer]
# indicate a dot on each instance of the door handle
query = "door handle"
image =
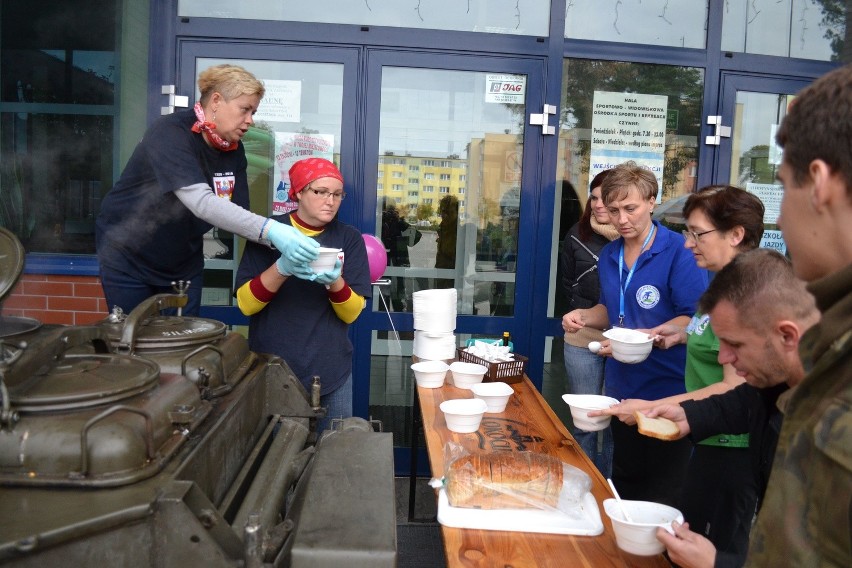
(541, 120)
(180, 101)
(718, 133)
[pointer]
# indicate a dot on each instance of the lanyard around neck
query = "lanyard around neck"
(623, 287)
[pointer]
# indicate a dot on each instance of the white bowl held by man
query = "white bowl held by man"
(639, 535)
(629, 345)
(582, 404)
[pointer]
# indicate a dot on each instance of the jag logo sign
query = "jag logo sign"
(505, 88)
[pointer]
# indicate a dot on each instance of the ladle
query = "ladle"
(618, 498)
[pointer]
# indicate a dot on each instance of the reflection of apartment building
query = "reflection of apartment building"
(411, 181)
(490, 176)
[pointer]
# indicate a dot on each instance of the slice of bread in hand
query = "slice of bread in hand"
(661, 428)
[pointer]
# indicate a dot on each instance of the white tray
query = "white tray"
(522, 520)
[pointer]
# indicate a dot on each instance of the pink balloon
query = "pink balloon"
(377, 256)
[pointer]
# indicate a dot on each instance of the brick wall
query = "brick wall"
(69, 300)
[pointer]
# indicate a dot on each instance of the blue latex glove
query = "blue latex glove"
(293, 245)
(287, 267)
(330, 276)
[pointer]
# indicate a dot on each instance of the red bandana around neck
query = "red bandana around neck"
(209, 128)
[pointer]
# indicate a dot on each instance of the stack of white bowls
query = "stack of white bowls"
(435, 323)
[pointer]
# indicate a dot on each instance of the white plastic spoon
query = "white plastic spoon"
(618, 498)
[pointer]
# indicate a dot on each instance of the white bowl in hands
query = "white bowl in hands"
(326, 259)
(629, 345)
(639, 535)
(582, 404)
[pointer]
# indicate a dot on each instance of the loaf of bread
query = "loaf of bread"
(505, 480)
(661, 428)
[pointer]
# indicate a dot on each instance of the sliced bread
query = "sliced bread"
(661, 428)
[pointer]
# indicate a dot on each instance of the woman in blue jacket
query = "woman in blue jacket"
(647, 279)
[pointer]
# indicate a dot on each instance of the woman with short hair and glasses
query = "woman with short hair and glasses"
(305, 320)
(720, 491)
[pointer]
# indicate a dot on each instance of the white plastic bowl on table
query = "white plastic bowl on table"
(466, 374)
(629, 345)
(639, 536)
(325, 261)
(430, 374)
(463, 415)
(496, 395)
(582, 404)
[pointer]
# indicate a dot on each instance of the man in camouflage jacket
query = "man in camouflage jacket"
(807, 514)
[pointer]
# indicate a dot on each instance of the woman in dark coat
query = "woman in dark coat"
(579, 258)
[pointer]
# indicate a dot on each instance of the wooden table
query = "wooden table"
(527, 424)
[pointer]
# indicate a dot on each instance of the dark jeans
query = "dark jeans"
(720, 496)
(338, 404)
(648, 469)
(585, 372)
(127, 292)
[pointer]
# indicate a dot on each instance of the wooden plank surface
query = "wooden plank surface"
(527, 424)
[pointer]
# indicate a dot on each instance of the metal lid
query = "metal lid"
(168, 332)
(83, 381)
(11, 261)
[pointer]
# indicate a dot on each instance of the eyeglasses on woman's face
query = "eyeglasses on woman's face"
(324, 194)
(687, 234)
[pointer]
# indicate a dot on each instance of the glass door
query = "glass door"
(436, 156)
(753, 107)
(449, 191)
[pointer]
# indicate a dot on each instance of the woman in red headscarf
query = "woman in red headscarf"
(299, 315)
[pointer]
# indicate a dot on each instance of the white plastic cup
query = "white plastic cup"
(325, 261)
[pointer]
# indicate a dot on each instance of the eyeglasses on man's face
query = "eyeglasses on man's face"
(324, 194)
(687, 234)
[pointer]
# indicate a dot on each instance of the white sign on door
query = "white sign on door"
(505, 88)
(628, 126)
(282, 101)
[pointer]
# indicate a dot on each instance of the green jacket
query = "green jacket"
(805, 519)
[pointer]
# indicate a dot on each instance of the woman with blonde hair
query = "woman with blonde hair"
(187, 175)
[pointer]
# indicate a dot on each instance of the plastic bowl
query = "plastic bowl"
(629, 345)
(326, 259)
(582, 404)
(639, 537)
(495, 395)
(466, 374)
(430, 374)
(463, 415)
